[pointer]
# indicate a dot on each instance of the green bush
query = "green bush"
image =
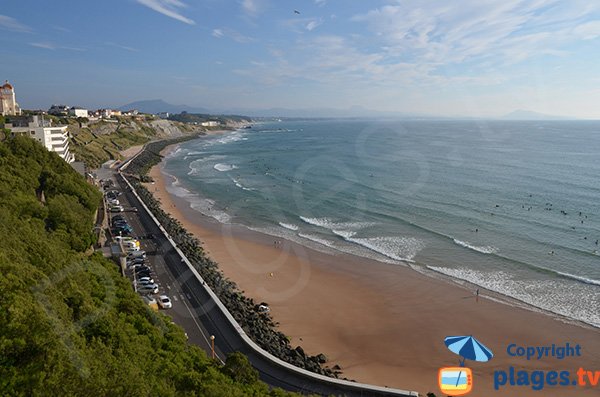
(70, 324)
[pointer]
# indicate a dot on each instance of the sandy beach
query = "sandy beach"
(383, 324)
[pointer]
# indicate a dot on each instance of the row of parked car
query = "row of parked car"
(120, 226)
(137, 262)
(143, 279)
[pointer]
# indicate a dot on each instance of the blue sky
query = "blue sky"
(471, 57)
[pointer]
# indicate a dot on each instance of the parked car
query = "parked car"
(142, 268)
(146, 279)
(144, 282)
(125, 228)
(164, 302)
(148, 289)
(137, 254)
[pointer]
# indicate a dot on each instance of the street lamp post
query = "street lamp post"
(212, 346)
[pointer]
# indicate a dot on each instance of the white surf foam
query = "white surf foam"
(289, 226)
(580, 278)
(238, 184)
(331, 225)
(317, 239)
(399, 248)
(552, 295)
(488, 249)
(224, 167)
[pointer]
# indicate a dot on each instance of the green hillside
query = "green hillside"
(97, 142)
(69, 323)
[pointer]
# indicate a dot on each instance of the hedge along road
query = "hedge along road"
(203, 317)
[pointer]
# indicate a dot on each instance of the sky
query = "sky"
(452, 58)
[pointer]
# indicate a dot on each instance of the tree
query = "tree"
(238, 368)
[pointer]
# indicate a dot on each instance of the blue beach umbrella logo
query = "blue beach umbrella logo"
(468, 348)
(458, 381)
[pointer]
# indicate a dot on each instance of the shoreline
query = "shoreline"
(355, 310)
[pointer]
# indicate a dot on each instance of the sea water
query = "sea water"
(511, 206)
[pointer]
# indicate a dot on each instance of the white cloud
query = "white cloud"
(232, 34)
(320, 3)
(429, 31)
(44, 45)
(312, 25)
(51, 46)
(8, 23)
(588, 30)
(168, 8)
(252, 7)
(123, 47)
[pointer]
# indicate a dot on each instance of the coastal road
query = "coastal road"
(194, 310)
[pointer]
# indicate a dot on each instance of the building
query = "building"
(78, 112)
(107, 113)
(59, 110)
(8, 102)
(210, 124)
(55, 138)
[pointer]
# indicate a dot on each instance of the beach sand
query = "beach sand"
(383, 324)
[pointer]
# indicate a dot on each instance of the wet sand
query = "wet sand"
(383, 324)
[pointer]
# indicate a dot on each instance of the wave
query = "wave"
(288, 226)
(544, 294)
(581, 279)
(488, 249)
(238, 184)
(224, 167)
(318, 240)
(225, 139)
(331, 225)
(402, 249)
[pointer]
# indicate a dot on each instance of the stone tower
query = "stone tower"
(8, 103)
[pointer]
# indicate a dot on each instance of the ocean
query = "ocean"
(509, 206)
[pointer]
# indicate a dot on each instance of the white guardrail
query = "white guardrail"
(238, 328)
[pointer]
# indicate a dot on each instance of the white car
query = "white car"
(164, 302)
(145, 280)
(148, 289)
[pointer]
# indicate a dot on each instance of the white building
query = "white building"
(107, 113)
(55, 139)
(8, 102)
(210, 124)
(78, 112)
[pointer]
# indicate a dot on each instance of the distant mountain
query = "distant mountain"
(158, 105)
(529, 115)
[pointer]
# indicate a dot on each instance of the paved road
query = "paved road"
(194, 312)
